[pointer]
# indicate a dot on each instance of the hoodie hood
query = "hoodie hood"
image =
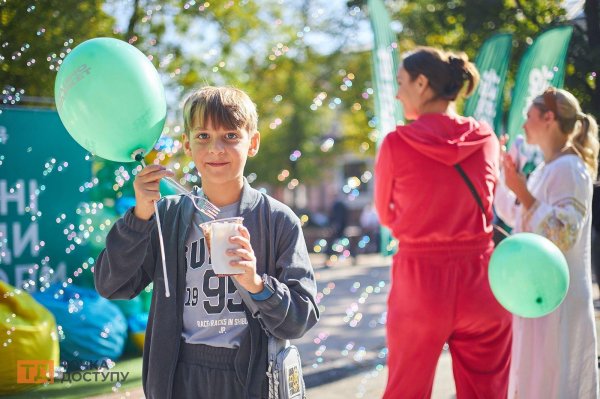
(448, 139)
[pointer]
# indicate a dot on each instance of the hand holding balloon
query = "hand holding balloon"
(147, 189)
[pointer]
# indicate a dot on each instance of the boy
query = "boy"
(203, 341)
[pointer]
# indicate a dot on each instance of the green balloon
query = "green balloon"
(110, 98)
(528, 275)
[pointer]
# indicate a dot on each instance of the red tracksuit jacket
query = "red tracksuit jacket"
(418, 193)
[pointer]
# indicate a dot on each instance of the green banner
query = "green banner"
(543, 65)
(485, 104)
(385, 60)
(45, 177)
(388, 111)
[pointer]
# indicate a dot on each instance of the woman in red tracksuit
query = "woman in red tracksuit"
(440, 291)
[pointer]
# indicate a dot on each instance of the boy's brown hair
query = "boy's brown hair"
(226, 107)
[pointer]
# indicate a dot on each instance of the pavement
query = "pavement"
(344, 354)
(364, 375)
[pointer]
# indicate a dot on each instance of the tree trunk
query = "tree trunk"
(133, 20)
(592, 19)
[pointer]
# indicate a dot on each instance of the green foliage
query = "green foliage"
(308, 100)
(463, 25)
(306, 93)
(252, 46)
(35, 36)
(584, 60)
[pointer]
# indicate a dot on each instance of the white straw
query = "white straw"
(162, 244)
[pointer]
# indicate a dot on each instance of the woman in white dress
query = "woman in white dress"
(555, 356)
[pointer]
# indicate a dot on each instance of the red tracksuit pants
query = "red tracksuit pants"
(444, 296)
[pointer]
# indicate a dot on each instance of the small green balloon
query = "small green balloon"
(110, 99)
(528, 275)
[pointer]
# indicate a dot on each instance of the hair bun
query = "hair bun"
(453, 60)
(458, 64)
(446, 71)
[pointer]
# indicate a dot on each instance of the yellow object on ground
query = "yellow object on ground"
(28, 341)
(138, 340)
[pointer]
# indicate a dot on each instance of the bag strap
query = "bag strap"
(274, 344)
(473, 191)
(469, 183)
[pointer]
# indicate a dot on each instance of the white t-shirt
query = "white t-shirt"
(213, 313)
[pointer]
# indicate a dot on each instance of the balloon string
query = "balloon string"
(162, 244)
(162, 251)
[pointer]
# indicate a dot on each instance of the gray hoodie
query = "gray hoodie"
(132, 260)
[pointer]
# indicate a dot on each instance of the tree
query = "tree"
(465, 24)
(265, 53)
(584, 59)
(36, 36)
(305, 94)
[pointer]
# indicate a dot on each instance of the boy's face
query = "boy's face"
(220, 154)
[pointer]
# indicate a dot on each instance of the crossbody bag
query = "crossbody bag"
(284, 370)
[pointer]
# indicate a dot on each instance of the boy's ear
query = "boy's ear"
(254, 144)
(186, 144)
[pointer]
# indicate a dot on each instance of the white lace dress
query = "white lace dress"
(555, 356)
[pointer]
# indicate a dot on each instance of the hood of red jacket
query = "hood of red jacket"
(448, 139)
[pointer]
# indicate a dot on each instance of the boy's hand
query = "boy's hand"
(247, 262)
(146, 187)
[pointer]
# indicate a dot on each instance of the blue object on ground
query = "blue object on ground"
(91, 328)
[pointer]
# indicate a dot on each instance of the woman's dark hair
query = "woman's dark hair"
(447, 72)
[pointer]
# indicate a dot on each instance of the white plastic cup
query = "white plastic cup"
(217, 234)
